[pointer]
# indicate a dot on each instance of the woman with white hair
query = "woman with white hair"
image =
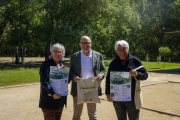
(124, 96)
(50, 102)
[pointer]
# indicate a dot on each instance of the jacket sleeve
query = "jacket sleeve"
(102, 67)
(71, 71)
(44, 78)
(141, 73)
(107, 87)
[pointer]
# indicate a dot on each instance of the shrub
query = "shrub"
(147, 58)
(169, 59)
(158, 59)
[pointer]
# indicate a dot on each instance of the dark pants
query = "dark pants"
(124, 108)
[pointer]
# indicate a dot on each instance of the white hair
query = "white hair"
(123, 43)
(59, 46)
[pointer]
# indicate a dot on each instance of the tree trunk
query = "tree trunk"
(57, 24)
(23, 53)
(16, 55)
(47, 53)
(19, 52)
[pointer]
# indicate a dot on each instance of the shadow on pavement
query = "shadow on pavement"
(170, 71)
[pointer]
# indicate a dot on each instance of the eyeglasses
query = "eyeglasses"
(85, 43)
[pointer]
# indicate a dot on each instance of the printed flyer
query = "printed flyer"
(58, 80)
(120, 86)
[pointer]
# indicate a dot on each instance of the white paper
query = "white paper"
(120, 86)
(58, 80)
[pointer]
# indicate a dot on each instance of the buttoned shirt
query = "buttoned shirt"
(86, 65)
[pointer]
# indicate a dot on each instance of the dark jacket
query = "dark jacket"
(130, 63)
(98, 68)
(46, 101)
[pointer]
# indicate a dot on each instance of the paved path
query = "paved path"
(21, 103)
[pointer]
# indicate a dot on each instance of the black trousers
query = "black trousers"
(126, 108)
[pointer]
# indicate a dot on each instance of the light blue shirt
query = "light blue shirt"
(86, 65)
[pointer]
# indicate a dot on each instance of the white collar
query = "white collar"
(89, 55)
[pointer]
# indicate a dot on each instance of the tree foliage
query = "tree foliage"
(164, 51)
(37, 24)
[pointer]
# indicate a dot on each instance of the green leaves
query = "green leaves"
(43, 22)
(164, 51)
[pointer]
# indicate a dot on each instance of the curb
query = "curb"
(173, 82)
(162, 112)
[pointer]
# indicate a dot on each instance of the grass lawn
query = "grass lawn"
(152, 66)
(16, 76)
(24, 75)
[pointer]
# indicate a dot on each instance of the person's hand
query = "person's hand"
(99, 77)
(76, 79)
(109, 98)
(133, 73)
(63, 66)
(56, 96)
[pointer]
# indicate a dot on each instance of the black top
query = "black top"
(47, 100)
(130, 63)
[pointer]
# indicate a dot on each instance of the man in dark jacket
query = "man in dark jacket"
(125, 62)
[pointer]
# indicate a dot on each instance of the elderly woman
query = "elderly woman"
(125, 62)
(50, 102)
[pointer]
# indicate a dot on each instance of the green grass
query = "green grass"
(16, 76)
(24, 75)
(152, 66)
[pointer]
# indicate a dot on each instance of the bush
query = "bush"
(158, 59)
(169, 59)
(164, 51)
(147, 58)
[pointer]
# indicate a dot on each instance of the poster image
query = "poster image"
(120, 86)
(58, 80)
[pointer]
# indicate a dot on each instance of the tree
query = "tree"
(16, 15)
(164, 51)
(36, 24)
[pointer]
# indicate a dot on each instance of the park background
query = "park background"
(29, 27)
